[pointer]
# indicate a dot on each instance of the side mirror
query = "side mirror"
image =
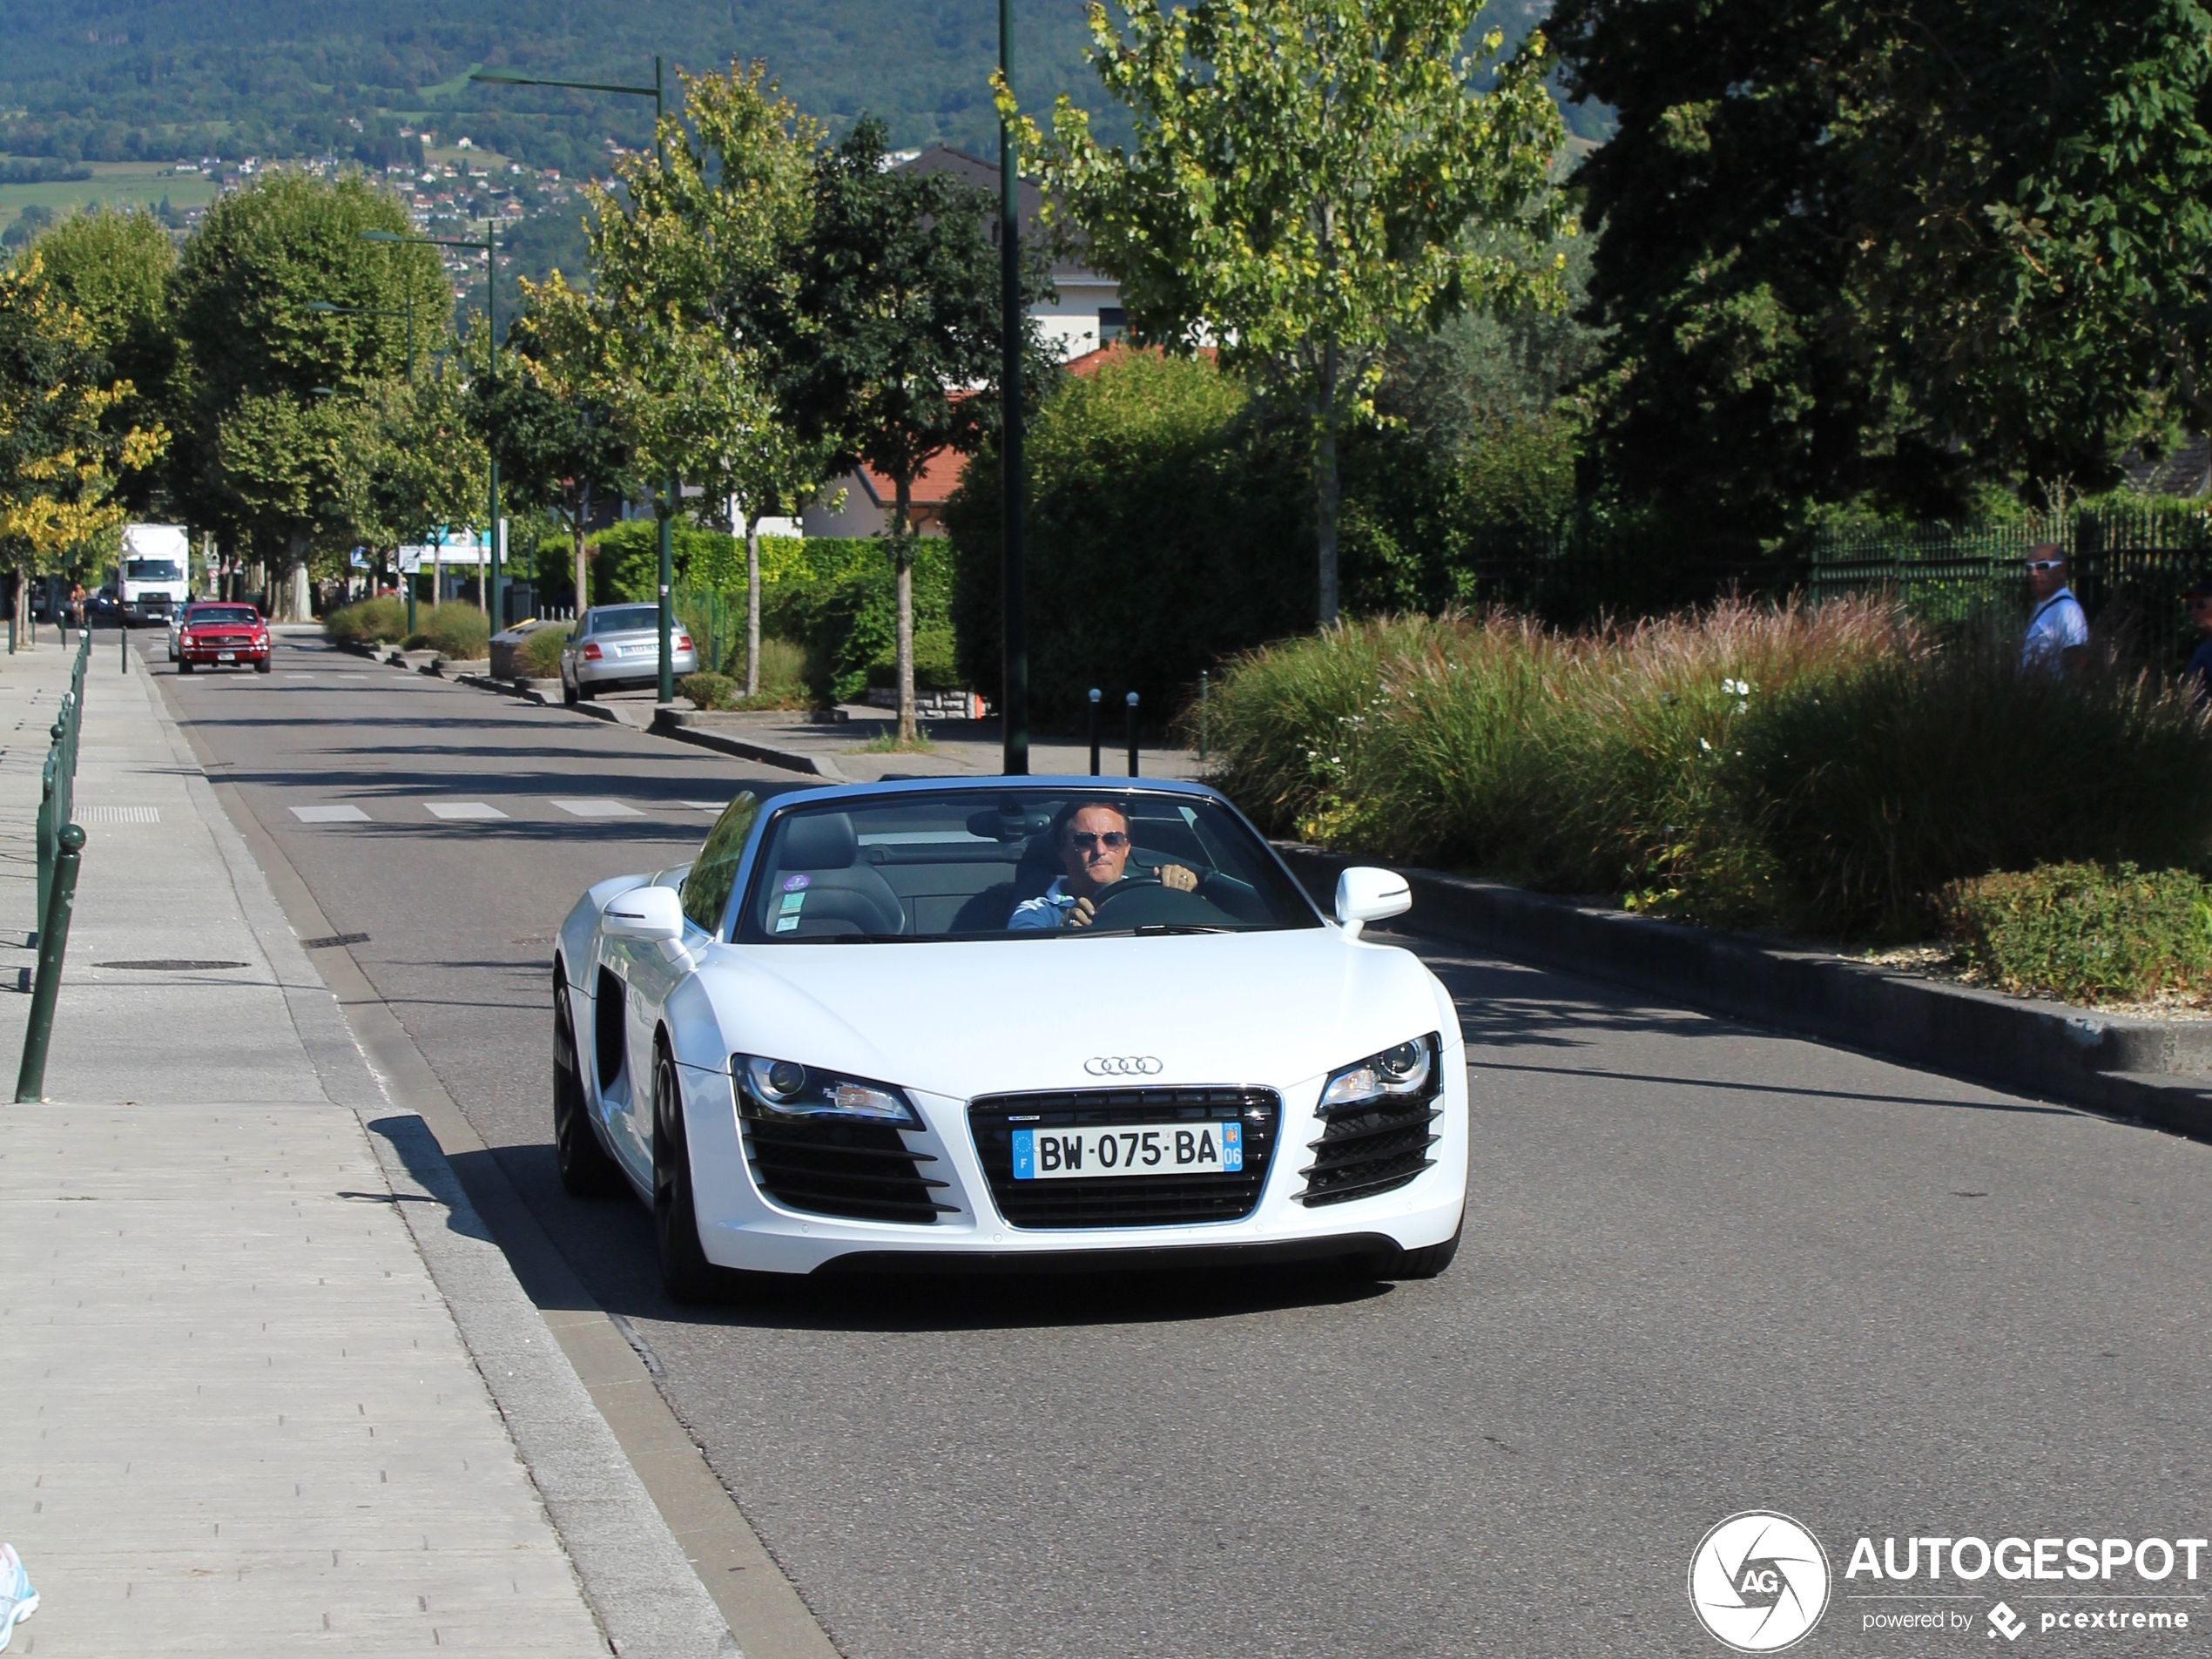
(643, 913)
(1366, 894)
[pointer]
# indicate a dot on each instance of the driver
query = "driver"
(1094, 847)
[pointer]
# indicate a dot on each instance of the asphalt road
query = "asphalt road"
(1706, 1269)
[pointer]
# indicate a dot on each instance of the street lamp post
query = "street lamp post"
(492, 595)
(1013, 691)
(674, 497)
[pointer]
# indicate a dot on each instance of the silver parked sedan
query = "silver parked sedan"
(617, 648)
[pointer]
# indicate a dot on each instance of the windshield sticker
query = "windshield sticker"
(796, 883)
(793, 903)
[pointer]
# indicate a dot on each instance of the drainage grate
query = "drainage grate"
(333, 941)
(171, 965)
(122, 814)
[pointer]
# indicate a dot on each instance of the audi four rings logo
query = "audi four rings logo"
(1122, 1065)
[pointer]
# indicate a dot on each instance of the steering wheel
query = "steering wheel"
(1118, 893)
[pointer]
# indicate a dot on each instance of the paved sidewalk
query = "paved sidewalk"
(242, 1415)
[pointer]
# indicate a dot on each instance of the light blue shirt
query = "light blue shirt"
(1042, 913)
(2057, 626)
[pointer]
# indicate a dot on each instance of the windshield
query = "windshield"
(152, 570)
(199, 614)
(623, 619)
(1028, 864)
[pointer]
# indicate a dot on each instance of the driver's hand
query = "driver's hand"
(1081, 915)
(1174, 875)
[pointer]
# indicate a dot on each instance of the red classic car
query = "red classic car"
(210, 634)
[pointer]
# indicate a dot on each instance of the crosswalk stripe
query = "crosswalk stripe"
(330, 814)
(598, 809)
(704, 806)
(462, 809)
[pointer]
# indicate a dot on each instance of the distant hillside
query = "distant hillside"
(130, 80)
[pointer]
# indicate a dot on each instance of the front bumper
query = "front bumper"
(740, 1227)
(215, 656)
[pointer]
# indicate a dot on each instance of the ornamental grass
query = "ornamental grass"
(1827, 770)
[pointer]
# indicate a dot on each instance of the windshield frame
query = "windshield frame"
(1304, 912)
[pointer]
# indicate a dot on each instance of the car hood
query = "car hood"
(972, 1018)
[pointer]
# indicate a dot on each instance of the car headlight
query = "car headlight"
(787, 1090)
(1406, 1071)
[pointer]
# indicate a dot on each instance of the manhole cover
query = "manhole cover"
(171, 965)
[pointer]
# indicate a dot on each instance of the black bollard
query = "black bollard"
(1094, 731)
(53, 940)
(1132, 734)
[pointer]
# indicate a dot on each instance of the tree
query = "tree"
(1311, 177)
(678, 338)
(263, 458)
(423, 465)
(1889, 253)
(114, 268)
(557, 453)
(898, 299)
(61, 454)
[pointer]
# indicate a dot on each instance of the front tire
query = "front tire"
(586, 1170)
(183, 664)
(263, 666)
(684, 1270)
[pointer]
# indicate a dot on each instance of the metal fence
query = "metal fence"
(2128, 566)
(58, 781)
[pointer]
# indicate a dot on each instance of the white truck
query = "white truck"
(153, 577)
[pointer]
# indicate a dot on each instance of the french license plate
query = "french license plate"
(1209, 1148)
(225, 655)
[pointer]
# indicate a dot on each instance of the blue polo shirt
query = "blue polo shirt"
(2196, 678)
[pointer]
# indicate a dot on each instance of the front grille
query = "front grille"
(1369, 1148)
(1126, 1201)
(222, 642)
(862, 1170)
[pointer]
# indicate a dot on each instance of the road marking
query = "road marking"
(122, 814)
(462, 809)
(598, 809)
(330, 814)
(704, 805)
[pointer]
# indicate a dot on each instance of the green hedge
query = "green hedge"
(2084, 932)
(1167, 527)
(383, 619)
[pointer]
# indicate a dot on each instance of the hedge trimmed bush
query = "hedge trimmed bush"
(382, 619)
(457, 631)
(2085, 933)
(708, 691)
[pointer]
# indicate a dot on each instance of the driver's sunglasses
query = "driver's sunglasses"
(1087, 840)
(2040, 566)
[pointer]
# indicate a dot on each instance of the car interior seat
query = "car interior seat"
(818, 859)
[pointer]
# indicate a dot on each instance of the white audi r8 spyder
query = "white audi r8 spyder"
(909, 1025)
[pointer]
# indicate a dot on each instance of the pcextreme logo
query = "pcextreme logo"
(1758, 1582)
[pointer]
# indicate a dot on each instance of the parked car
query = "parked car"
(866, 1029)
(222, 634)
(617, 648)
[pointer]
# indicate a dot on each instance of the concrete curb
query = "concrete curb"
(2145, 1069)
(645, 1593)
(746, 749)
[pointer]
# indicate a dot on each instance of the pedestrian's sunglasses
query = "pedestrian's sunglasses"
(2042, 566)
(1087, 838)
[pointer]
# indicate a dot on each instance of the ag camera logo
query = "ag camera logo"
(1758, 1582)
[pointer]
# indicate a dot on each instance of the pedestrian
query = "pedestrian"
(2196, 678)
(2058, 634)
(77, 606)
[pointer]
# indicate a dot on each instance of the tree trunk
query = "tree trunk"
(582, 572)
(751, 604)
(1327, 495)
(902, 561)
